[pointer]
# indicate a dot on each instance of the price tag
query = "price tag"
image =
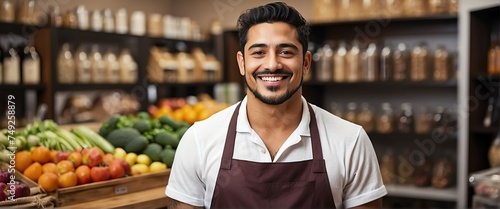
(121, 190)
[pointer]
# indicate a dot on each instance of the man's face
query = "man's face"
(273, 64)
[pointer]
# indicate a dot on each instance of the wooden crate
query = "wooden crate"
(110, 188)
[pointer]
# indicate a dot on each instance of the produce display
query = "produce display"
(9, 187)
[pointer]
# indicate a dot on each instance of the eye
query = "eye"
(257, 53)
(286, 53)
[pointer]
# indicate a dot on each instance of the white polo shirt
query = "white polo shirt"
(351, 162)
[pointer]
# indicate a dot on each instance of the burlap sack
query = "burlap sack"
(37, 199)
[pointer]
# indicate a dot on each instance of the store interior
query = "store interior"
(420, 76)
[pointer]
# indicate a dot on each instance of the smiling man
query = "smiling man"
(274, 149)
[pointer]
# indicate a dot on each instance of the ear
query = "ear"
(241, 62)
(307, 63)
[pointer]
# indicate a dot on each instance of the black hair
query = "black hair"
(269, 13)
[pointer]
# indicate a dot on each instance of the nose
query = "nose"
(272, 62)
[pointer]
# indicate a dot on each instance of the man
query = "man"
(273, 149)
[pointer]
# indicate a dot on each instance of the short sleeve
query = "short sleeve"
(364, 179)
(185, 183)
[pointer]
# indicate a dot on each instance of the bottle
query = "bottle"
(401, 59)
(386, 66)
(121, 20)
(353, 60)
(82, 17)
(325, 65)
(419, 62)
(385, 120)
(388, 167)
(405, 120)
(112, 71)
(365, 117)
(55, 16)
(69, 20)
(26, 14)
(370, 65)
(108, 21)
(339, 60)
(66, 65)
(423, 120)
(83, 66)
(443, 173)
(96, 23)
(128, 67)
(97, 65)
(494, 56)
(441, 64)
(31, 66)
(11, 62)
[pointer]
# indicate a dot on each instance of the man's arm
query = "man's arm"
(373, 204)
(174, 204)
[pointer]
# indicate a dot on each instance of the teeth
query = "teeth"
(271, 78)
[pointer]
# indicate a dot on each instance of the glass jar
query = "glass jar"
(325, 64)
(66, 65)
(415, 8)
(388, 168)
(69, 20)
(138, 23)
(339, 62)
(423, 120)
(121, 20)
(108, 21)
(349, 9)
(405, 120)
(31, 66)
(369, 9)
(128, 67)
(419, 62)
(385, 119)
(370, 63)
(11, 65)
(351, 113)
(365, 117)
(82, 16)
(401, 64)
(443, 173)
(97, 21)
(452, 6)
(406, 170)
(394, 8)
(55, 16)
(97, 65)
(438, 7)
(83, 66)
(7, 12)
(112, 70)
(441, 64)
(423, 171)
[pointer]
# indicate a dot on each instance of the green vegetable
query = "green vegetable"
(69, 137)
(143, 116)
(181, 131)
(167, 156)
(33, 140)
(167, 120)
(97, 139)
(165, 138)
(61, 143)
(137, 145)
(109, 125)
(121, 137)
(142, 126)
(4, 139)
(153, 151)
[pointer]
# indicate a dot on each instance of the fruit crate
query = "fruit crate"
(38, 198)
(110, 188)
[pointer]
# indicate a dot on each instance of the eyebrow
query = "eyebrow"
(282, 45)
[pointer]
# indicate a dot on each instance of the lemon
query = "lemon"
(120, 153)
(157, 166)
(131, 158)
(143, 159)
(139, 169)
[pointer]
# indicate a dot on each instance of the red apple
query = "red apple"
(125, 165)
(3, 191)
(99, 174)
(21, 190)
(4, 176)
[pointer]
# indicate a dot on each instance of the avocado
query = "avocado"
(167, 120)
(142, 126)
(122, 137)
(137, 145)
(153, 151)
(165, 138)
(167, 156)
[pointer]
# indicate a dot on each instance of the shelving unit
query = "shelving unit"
(477, 20)
(49, 41)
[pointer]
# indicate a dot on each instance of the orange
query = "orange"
(41, 154)
(53, 154)
(34, 171)
(50, 168)
(83, 174)
(23, 160)
(67, 179)
(75, 158)
(178, 115)
(49, 182)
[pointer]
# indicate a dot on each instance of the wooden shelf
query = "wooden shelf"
(387, 84)
(4, 87)
(392, 19)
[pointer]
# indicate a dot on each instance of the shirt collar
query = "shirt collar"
(244, 126)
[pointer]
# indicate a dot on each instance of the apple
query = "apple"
(93, 157)
(4, 176)
(125, 165)
(99, 174)
(21, 190)
(62, 155)
(3, 191)
(75, 158)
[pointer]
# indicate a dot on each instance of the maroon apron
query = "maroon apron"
(245, 184)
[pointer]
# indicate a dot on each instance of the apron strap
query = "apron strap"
(318, 163)
(227, 155)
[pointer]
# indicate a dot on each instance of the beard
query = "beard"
(273, 100)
